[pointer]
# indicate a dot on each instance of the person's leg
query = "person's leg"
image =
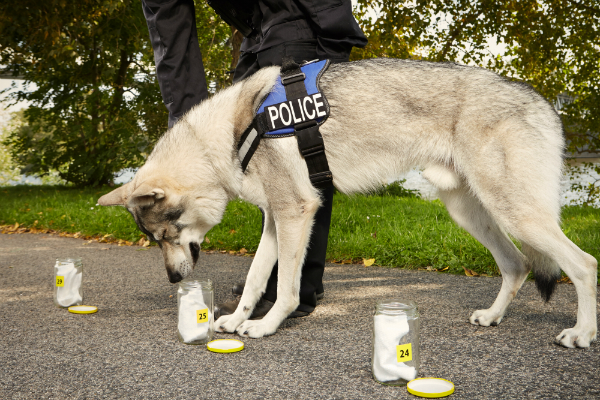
(246, 66)
(179, 68)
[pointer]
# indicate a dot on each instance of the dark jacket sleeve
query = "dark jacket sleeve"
(330, 22)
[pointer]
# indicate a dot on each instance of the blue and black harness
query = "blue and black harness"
(295, 107)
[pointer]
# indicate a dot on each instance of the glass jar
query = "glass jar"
(68, 291)
(195, 309)
(395, 358)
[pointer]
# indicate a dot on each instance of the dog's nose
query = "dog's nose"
(174, 277)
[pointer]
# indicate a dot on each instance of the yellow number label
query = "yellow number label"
(404, 352)
(202, 315)
(60, 281)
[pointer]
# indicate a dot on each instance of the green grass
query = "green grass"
(393, 227)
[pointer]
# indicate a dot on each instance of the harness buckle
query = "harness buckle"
(321, 178)
(312, 148)
(287, 80)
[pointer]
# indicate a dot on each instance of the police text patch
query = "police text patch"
(293, 112)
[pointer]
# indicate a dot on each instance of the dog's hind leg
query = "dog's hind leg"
(545, 236)
(469, 213)
(256, 281)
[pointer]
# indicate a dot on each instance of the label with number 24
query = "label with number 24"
(404, 352)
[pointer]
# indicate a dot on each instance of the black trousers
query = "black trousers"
(180, 74)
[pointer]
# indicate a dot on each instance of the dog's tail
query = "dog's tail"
(546, 271)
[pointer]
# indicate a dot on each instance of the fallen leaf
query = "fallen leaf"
(206, 240)
(565, 279)
(445, 269)
(368, 262)
(232, 252)
(146, 243)
(347, 261)
(243, 251)
(430, 268)
(470, 272)
(231, 232)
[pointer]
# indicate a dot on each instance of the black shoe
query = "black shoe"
(262, 308)
(238, 289)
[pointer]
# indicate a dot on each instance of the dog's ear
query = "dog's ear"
(145, 195)
(117, 197)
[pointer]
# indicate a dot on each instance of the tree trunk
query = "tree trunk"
(236, 44)
(119, 84)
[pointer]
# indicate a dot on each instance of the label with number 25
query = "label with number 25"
(202, 315)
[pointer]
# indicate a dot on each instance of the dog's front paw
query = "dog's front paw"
(485, 318)
(576, 337)
(228, 323)
(256, 329)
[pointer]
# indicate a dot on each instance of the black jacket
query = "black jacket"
(329, 22)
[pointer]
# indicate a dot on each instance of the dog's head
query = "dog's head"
(176, 218)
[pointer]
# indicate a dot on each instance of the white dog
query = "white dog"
(493, 148)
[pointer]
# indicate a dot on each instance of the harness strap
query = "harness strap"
(312, 148)
(310, 141)
(247, 145)
(292, 79)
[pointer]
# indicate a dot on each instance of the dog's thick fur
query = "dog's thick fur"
(492, 147)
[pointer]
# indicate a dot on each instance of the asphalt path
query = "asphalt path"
(129, 349)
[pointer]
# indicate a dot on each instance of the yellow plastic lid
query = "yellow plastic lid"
(430, 387)
(225, 345)
(83, 309)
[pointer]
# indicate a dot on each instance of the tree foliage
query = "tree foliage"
(95, 108)
(215, 39)
(95, 103)
(552, 44)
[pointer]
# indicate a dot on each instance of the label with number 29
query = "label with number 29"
(60, 281)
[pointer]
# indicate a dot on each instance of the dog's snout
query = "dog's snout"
(174, 277)
(195, 250)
